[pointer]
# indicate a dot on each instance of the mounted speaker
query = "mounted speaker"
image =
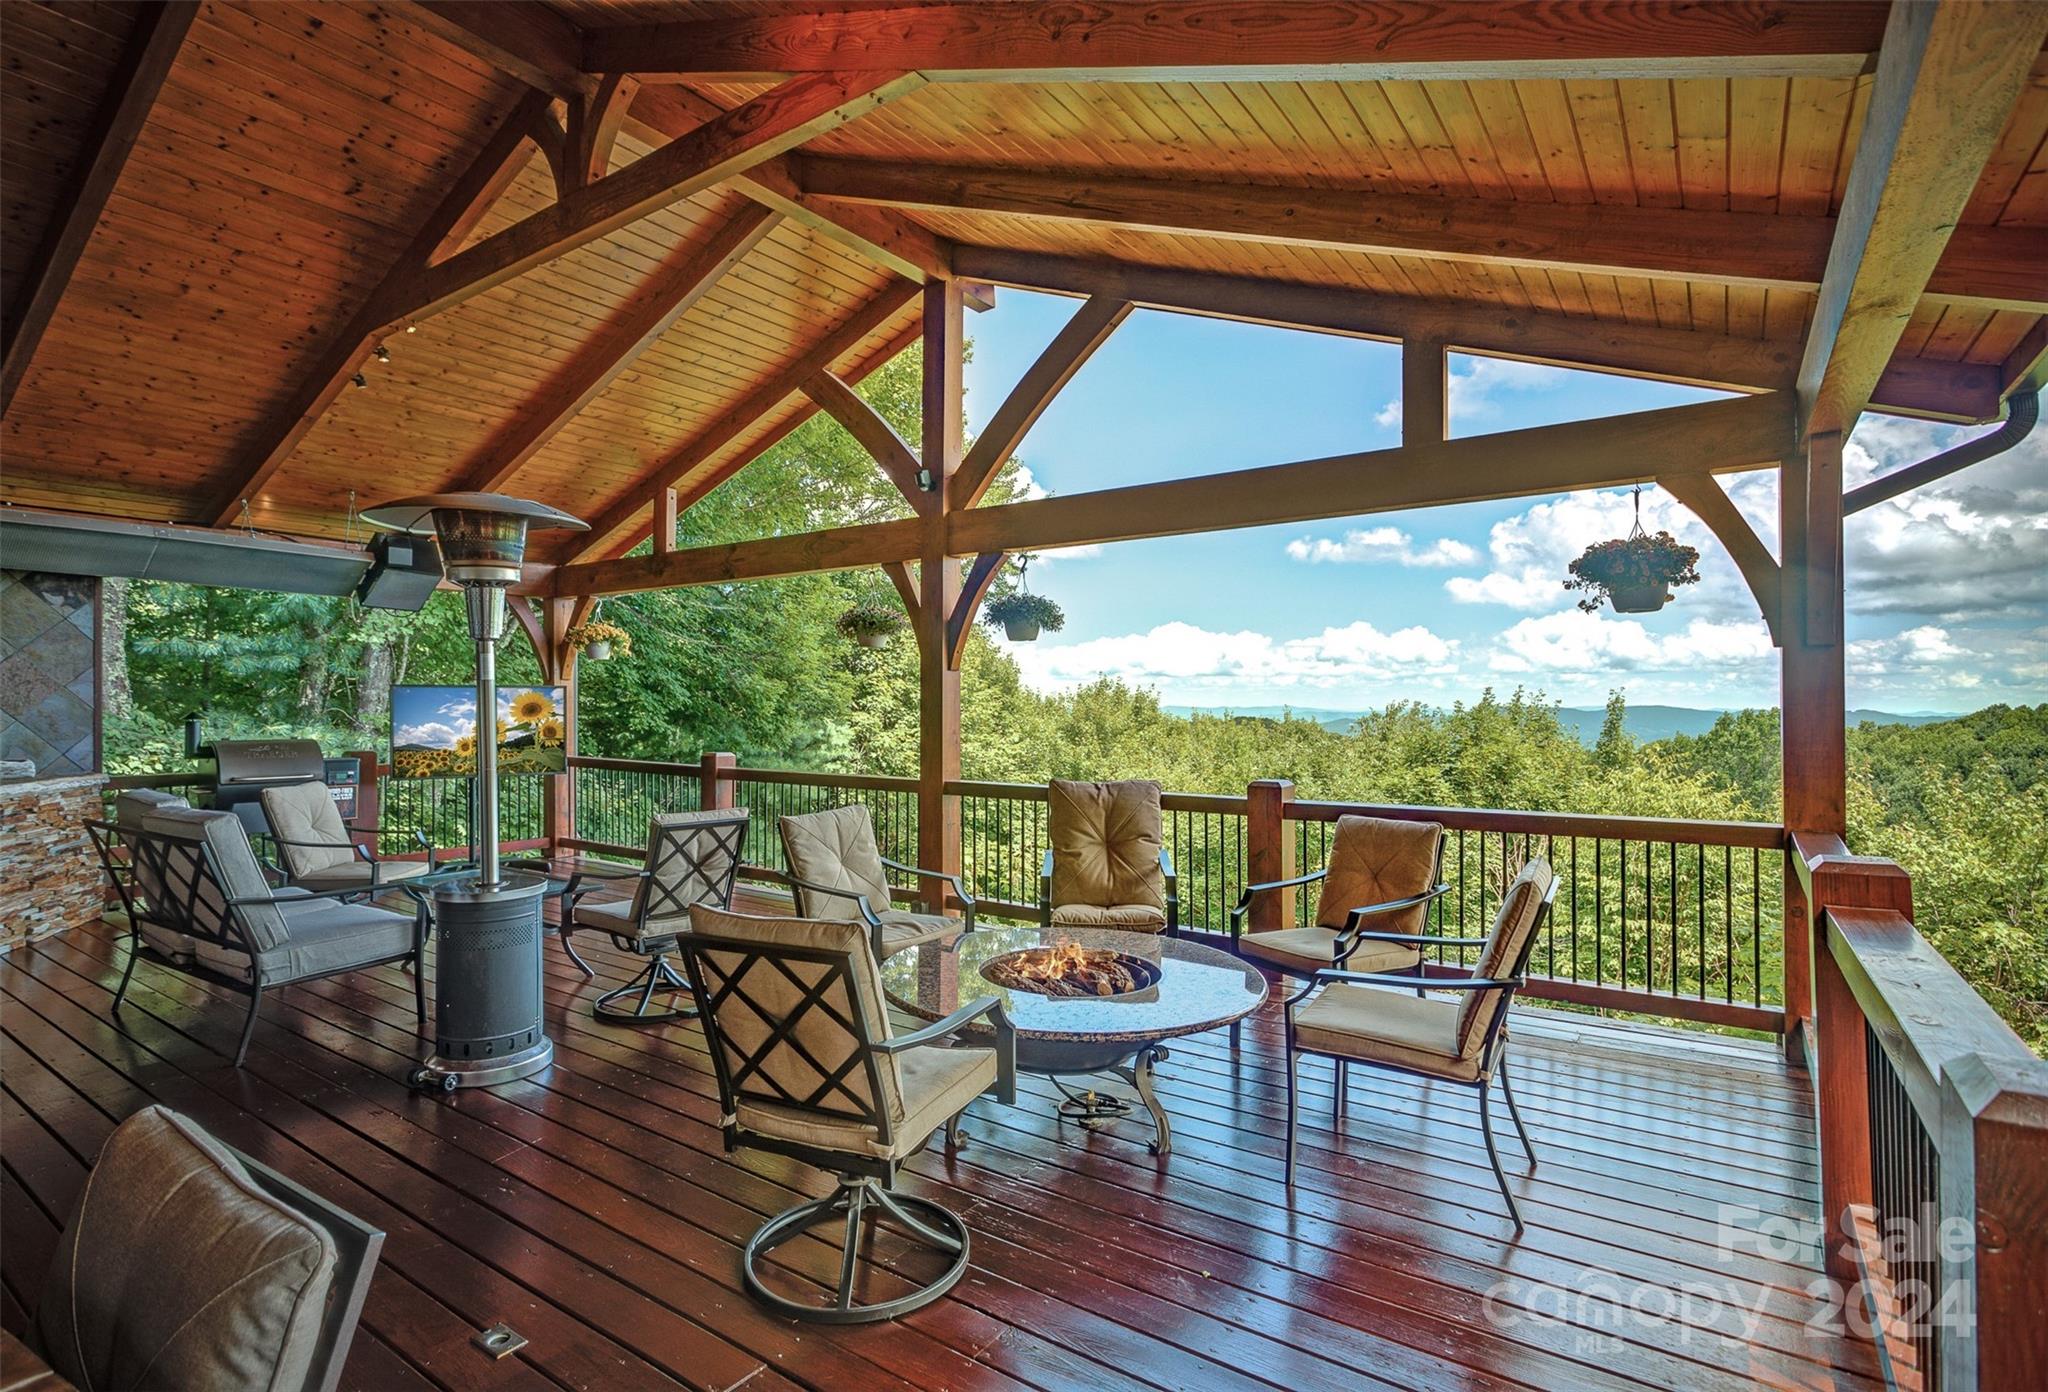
(404, 570)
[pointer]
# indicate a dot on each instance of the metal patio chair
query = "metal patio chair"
(799, 1034)
(317, 851)
(1107, 865)
(836, 866)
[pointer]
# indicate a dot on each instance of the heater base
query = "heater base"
(439, 1074)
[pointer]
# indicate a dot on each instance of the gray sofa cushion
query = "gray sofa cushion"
(132, 807)
(177, 1271)
(241, 876)
(325, 936)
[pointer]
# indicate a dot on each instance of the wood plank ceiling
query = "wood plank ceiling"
(298, 146)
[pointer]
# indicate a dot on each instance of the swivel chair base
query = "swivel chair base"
(658, 976)
(858, 1199)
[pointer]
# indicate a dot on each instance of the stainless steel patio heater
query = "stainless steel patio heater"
(488, 1026)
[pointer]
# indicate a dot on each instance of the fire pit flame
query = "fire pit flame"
(1067, 969)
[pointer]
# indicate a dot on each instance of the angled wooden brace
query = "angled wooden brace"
(980, 575)
(897, 459)
(1760, 570)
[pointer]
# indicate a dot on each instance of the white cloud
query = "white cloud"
(1581, 645)
(432, 734)
(1381, 544)
(1388, 417)
(1187, 657)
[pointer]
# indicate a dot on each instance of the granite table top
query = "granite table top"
(1199, 988)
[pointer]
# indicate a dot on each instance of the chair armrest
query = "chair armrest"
(958, 882)
(1244, 900)
(1407, 983)
(575, 889)
(1166, 869)
(297, 896)
(1005, 1045)
(1420, 939)
(867, 910)
(1353, 917)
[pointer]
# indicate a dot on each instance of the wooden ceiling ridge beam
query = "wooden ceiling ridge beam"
(1946, 391)
(1710, 437)
(667, 294)
(1076, 342)
(890, 451)
(1948, 77)
(672, 469)
(1218, 40)
(1986, 267)
(708, 155)
(472, 195)
(879, 235)
(525, 38)
(131, 95)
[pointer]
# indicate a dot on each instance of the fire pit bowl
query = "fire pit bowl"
(1071, 971)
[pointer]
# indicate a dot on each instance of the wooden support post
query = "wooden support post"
(1425, 393)
(938, 578)
(715, 788)
(1269, 850)
(1842, 1095)
(369, 794)
(1994, 1177)
(545, 632)
(665, 522)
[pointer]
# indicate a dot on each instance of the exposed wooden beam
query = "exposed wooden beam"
(1693, 356)
(706, 443)
(981, 573)
(807, 553)
(667, 295)
(595, 120)
(528, 40)
(1991, 267)
(1709, 502)
(666, 514)
(471, 196)
(1742, 432)
(2026, 366)
(874, 434)
(881, 236)
(1072, 346)
(1948, 76)
(1425, 392)
(1711, 437)
(1957, 392)
(768, 125)
(131, 94)
(1251, 40)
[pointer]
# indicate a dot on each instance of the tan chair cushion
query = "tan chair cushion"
(1128, 918)
(176, 1271)
(835, 848)
(1512, 925)
(361, 872)
(306, 812)
(1105, 843)
(1386, 1026)
(689, 862)
(1376, 860)
(767, 997)
(1309, 950)
(902, 928)
(937, 1083)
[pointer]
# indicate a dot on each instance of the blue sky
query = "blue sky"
(1948, 586)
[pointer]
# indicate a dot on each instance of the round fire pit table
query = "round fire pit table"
(1179, 988)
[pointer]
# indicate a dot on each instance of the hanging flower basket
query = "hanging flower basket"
(1023, 616)
(1635, 574)
(871, 625)
(599, 641)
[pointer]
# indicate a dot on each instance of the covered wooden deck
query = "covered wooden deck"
(594, 1211)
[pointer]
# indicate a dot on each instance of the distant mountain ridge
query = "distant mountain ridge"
(1645, 723)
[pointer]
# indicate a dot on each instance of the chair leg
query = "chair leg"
(1493, 1155)
(858, 1202)
(565, 930)
(657, 977)
(249, 1025)
(1236, 1033)
(1293, 1102)
(1507, 1091)
(134, 952)
(1342, 1081)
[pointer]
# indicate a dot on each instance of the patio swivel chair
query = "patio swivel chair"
(185, 1264)
(1383, 874)
(200, 905)
(317, 850)
(1343, 1016)
(1107, 866)
(692, 858)
(799, 1035)
(837, 870)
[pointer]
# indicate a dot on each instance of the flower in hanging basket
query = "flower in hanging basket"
(871, 625)
(1023, 615)
(600, 640)
(1636, 573)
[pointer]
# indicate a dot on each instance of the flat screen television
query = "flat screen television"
(433, 730)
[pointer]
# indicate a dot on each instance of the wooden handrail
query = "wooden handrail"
(1759, 835)
(877, 782)
(577, 761)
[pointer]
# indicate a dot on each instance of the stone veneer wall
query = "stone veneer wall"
(49, 874)
(50, 671)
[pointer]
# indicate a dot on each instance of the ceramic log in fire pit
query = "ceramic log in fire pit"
(1068, 969)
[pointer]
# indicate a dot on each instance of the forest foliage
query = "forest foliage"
(759, 670)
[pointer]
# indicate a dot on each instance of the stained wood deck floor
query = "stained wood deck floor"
(594, 1210)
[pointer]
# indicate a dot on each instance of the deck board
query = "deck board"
(594, 1210)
